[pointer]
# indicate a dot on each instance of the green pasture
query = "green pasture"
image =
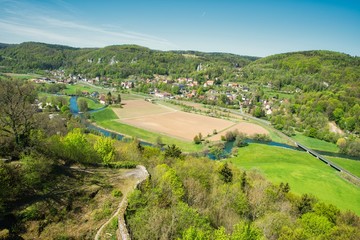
(350, 165)
(91, 103)
(21, 76)
(303, 172)
(316, 144)
(271, 93)
(104, 115)
(74, 88)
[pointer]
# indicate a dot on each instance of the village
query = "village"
(213, 92)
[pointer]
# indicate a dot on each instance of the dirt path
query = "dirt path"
(140, 173)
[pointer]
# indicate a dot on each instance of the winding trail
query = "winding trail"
(140, 173)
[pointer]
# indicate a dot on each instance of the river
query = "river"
(227, 149)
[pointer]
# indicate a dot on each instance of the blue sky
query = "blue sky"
(252, 27)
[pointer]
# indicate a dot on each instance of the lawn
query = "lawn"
(304, 173)
(316, 144)
(350, 165)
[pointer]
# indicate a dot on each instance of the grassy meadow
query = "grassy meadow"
(350, 165)
(304, 173)
(91, 103)
(316, 144)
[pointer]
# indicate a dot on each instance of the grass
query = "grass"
(72, 89)
(21, 76)
(282, 95)
(104, 115)
(304, 173)
(91, 103)
(352, 166)
(148, 136)
(316, 144)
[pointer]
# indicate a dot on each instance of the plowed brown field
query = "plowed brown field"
(183, 125)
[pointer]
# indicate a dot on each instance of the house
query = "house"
(246, 89)
(102, 99)
(95, 94)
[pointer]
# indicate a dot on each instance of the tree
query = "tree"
(197, 140)
(118, 100)
(109, 98)
(226, 173)
(83, 105)
(342, 144)
(305, 204)
(246, 231)
(244, 181)
(315, 225)
(173, 151)
(17, 110)
(76, 148)
(258, 112)
(104, 146)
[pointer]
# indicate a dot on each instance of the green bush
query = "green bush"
(116, 193)
(125, 164)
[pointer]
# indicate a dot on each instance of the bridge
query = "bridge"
(308, 150)
(326, 161)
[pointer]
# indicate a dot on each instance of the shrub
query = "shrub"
(116, 193)
(125, 164)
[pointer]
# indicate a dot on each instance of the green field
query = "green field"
(21, 76)
(350, 165)
(270, 93)
(304, 173)
(316, 144)
(91, 103)
(106, 117)
(72, 89)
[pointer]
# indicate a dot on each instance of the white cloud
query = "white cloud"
(34, 24)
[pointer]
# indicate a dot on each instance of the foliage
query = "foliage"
(172, 151)
(76, 148)
(36, 169)
(17, 110)
(104, 147)
(116, 193)
(226, 173)
(83, 105)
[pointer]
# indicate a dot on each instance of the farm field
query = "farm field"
(244, 127)
(178, 124)
(304, 173)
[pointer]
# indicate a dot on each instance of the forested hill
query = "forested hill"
(308, 71)
(119, 61)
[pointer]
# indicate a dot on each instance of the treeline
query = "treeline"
(308, 71)
(120, 62)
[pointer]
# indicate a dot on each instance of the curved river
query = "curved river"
(227, 150)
